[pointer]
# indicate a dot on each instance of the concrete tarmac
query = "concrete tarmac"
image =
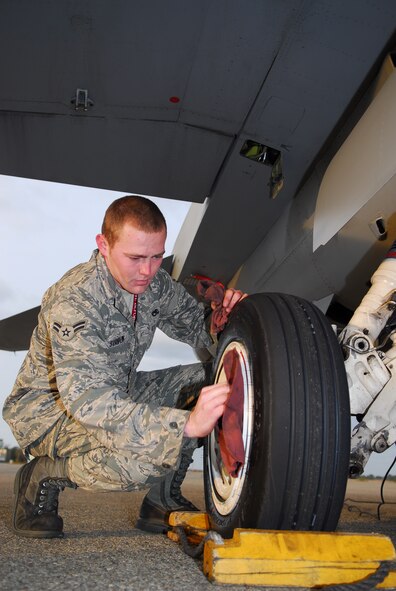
(103, 551)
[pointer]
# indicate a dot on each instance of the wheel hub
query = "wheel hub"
(227, 489)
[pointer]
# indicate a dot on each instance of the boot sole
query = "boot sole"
(25, 532)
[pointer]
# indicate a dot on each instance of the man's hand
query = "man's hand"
(209, 408)
(232, 297)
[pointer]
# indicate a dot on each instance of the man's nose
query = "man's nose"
(145, 267)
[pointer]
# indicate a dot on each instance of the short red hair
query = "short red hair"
(133, 209)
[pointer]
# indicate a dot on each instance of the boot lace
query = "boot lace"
(47, 496)
(175, 491)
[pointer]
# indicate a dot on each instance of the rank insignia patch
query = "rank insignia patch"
(67, 331)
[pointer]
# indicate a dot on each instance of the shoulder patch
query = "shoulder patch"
(67, 331)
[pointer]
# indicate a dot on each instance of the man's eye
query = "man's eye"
(158, 257)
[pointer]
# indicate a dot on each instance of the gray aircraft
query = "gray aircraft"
(277, 121)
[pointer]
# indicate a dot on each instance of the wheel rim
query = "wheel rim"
(226, 490)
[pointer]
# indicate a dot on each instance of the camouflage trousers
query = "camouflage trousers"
(95, 467)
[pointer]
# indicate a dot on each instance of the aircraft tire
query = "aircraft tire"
(296, 426)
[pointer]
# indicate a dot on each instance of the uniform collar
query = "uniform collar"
(112, 291)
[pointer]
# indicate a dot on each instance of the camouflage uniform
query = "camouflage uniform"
(78, 394)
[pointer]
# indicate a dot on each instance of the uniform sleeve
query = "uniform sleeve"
(92, 379)
(183, 318)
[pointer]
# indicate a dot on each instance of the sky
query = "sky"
(46, 229)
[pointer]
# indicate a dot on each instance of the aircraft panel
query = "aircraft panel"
(164, 159)
(314, 85)
(235, 54)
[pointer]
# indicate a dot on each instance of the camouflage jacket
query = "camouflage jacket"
(83, 357)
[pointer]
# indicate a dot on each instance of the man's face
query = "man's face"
(134, 258)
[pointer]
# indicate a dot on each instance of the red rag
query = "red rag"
(213, 291)
(231, 424)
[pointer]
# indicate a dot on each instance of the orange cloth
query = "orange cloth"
(231, 423)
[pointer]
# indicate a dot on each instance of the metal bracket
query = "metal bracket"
(81, 101)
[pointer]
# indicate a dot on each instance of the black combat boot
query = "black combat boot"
(37, 487)
(164, 498)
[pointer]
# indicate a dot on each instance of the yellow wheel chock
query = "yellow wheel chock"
(287, 558)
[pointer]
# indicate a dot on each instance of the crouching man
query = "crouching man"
(79, 405)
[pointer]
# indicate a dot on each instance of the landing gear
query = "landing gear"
(296, 423)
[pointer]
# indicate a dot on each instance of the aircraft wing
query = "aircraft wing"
(228, 105)
(16, 331)
(160, 98)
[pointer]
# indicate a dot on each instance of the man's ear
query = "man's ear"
(102, 244)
